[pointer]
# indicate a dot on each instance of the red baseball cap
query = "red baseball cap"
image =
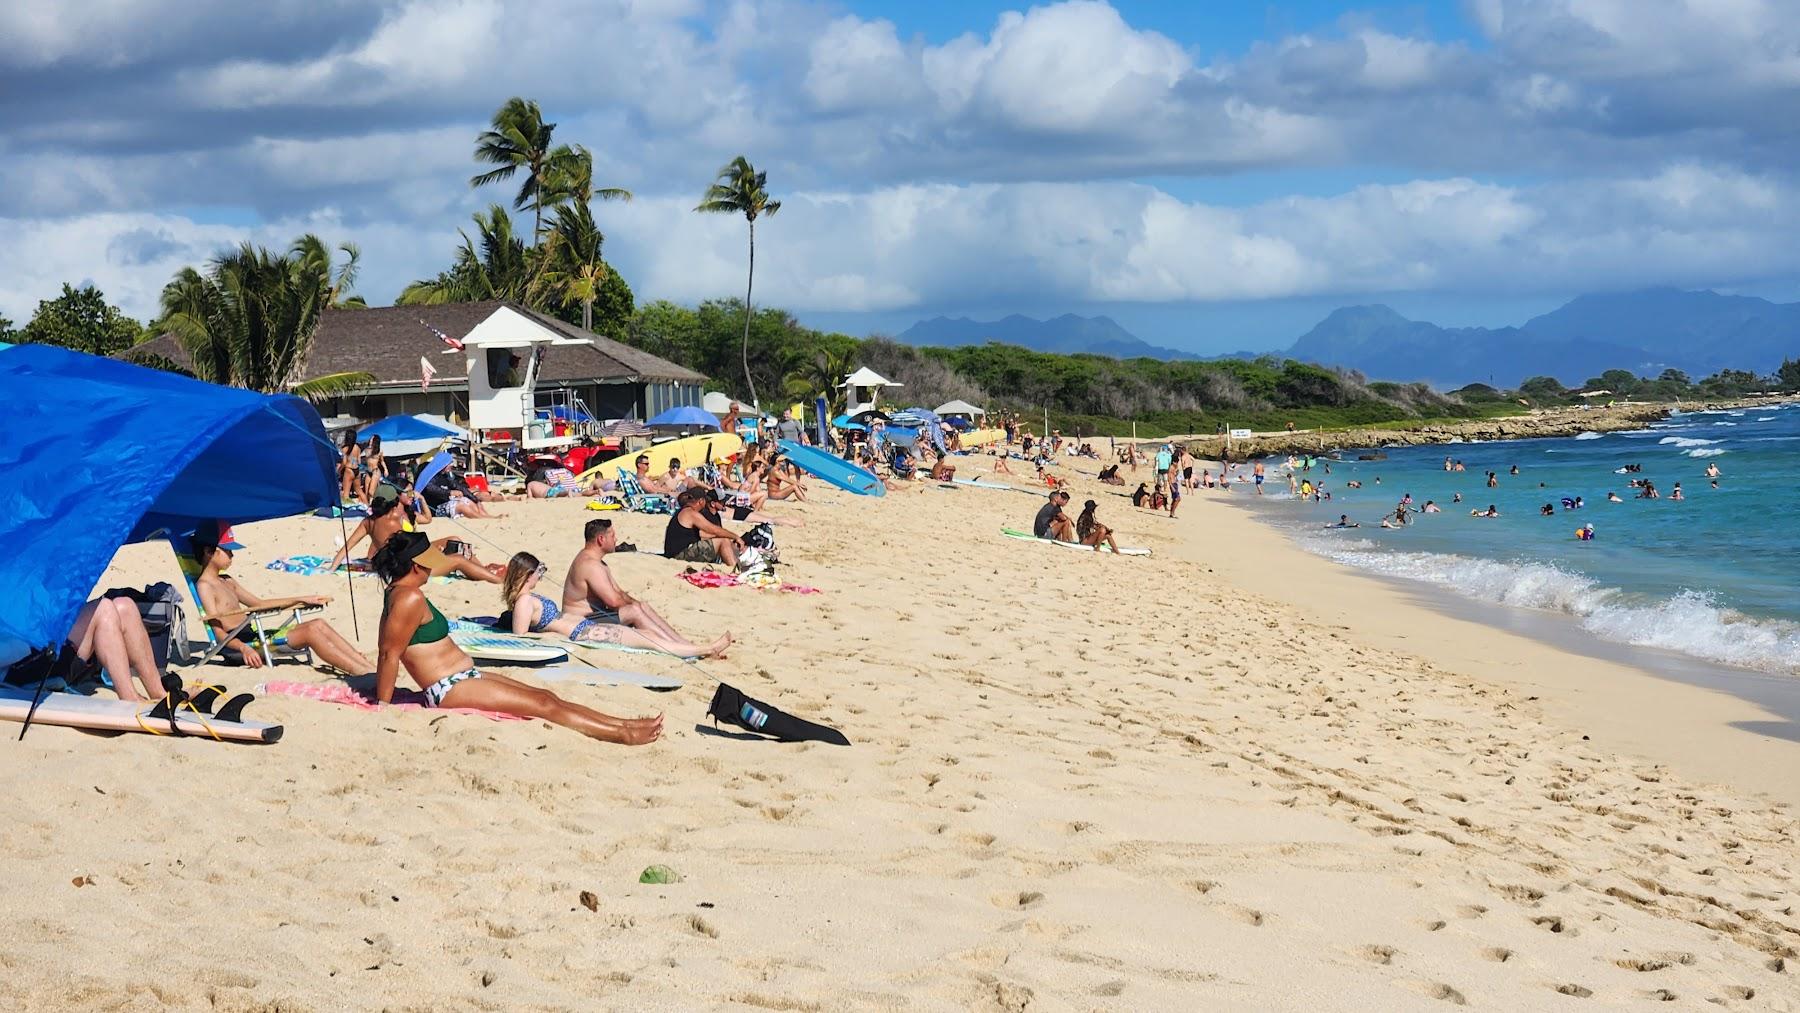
(216, 533)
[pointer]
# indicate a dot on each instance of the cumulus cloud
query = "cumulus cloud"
(1005, 163)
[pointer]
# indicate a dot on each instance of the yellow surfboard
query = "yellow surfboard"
(690, 451)
(982, 437)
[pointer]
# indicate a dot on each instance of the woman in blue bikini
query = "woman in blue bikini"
(416, 634)
(534, 613)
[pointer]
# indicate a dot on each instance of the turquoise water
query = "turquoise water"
(1715, 576)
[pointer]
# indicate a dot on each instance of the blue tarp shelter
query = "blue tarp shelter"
(101, 453)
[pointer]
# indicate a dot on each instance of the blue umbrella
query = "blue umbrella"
(843, 422)
(396, 428)
(930, 420)
(689, 416)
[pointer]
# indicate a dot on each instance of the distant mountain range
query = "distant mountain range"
(1067, 335)
(1645, 331)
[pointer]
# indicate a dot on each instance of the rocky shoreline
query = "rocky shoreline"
(1538, 424)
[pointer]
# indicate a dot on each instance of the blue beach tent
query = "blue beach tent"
(405, 428)
(100, 453)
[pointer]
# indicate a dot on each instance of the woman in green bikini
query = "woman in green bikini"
(415, 633)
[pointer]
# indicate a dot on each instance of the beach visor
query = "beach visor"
(733, 707)
(106, 453)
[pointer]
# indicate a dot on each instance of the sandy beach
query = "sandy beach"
(1226, 776)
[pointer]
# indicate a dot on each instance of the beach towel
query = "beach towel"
(760, 581)
(309, 566)
(338, 693)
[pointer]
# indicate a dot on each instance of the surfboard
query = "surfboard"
(981, 437)
(833, 469)
(690, 451)
(504, 647)
(1124, 550)
(982, 483)
(103, 714)
(606, 677)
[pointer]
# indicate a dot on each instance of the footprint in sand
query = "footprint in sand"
(1575, 990)
(1022, 900)
(1376, 953)
(1497, 954)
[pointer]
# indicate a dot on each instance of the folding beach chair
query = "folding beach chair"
(639, 500)
(262, 621)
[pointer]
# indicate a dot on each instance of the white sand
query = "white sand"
(1077, 782)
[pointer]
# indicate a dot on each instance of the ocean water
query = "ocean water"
(1716, 576)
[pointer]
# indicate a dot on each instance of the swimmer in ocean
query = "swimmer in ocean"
(1456, 497)
(1431, 508)
(1712, 470)
(1344, 521)
(1514, 471)
(1547, 510)
(1675, 493)
(1491, 511)
(1613, 497)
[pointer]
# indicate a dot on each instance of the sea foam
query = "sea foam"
(1687, 441)
(1691, 622)
(1706, 452)
(1589, 436)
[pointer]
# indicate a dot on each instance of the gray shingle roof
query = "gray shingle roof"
(389, 341)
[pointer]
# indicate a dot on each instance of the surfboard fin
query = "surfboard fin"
(234, 708)
(733, 707)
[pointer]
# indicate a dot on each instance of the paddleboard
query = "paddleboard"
(503, 647)
(1124, 550)
(981, 437)
(690, 451)
(70, 710)
(606, 677)
(981, 483)
(833, 469)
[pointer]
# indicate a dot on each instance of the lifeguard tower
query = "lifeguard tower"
(504, 354)
(862, 389)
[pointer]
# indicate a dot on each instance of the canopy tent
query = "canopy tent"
(960, 408)
(108, 453)
(406, 435)
(866, 377)
(686, 416)
(717, 401)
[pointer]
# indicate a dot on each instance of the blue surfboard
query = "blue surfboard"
(834, 469)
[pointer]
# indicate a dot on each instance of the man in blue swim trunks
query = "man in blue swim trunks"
(590, 591)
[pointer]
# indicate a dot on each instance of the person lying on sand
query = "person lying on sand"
(416, 634)
(388, 517)
(1051, 522)
(1091, 532)
(112, 631)
(694, 537)
(214, 549)
(530, 612)
(602, 606)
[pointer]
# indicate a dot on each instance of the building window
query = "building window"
(504, 369)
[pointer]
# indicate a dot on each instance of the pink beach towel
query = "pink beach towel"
(715, 578)
(338, 693)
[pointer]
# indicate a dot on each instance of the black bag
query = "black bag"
(733, 707)
(159, 605)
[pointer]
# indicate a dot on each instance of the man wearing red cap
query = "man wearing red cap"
(224, 598)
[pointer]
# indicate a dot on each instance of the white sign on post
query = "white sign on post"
(1241, 434)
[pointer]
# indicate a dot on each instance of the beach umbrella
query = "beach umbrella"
(843, 422)
(869, 415)
(150, 454)
(624, 428)
(689, 416)
(957, 422)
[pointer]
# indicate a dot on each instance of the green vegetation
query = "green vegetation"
(249, 320)
(739, 189)
(1670, 385)
(79, 318)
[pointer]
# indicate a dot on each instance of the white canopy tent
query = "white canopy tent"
(961, 408)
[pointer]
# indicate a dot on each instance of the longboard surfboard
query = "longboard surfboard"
(1124, 550)
(100, 714)
(689, 450)
(606, 677)
(833, 469)
(981, 483)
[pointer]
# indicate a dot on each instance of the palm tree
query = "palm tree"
(573, 270)
(824, 374)
(249, 320)
(311, 249)
(495, 265)
(738, 189)
(570, 179)
(520, 139)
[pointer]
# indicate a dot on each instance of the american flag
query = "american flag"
(425, 373)
(445, 338)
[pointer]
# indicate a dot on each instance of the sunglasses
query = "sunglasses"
(540, 571)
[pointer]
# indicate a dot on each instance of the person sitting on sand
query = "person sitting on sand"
(415, 634)
(1091, 532)
(1159, 497)
(1491, 511)
(388, 517)
(778, 484)
(1110, 475)
(225, 602)
(530, 612)
(1141, 496)
(694, 537)
(601, 606)
(1000, 467)
(111, 631)
(1051, 522)
(901, 463)
(1344, 521)
(943, 469)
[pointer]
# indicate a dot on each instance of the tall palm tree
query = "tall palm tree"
(573, 270)
(739, 190)
(310, 249)
(249, 321)
(494, 265)
(520, 139)
(570, 179)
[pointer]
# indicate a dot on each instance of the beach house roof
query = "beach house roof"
(389, 341)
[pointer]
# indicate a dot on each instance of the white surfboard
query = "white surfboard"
(589, 676)
(505, 647)
(95, 713)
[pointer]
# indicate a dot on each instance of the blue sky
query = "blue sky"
(1215, 176)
